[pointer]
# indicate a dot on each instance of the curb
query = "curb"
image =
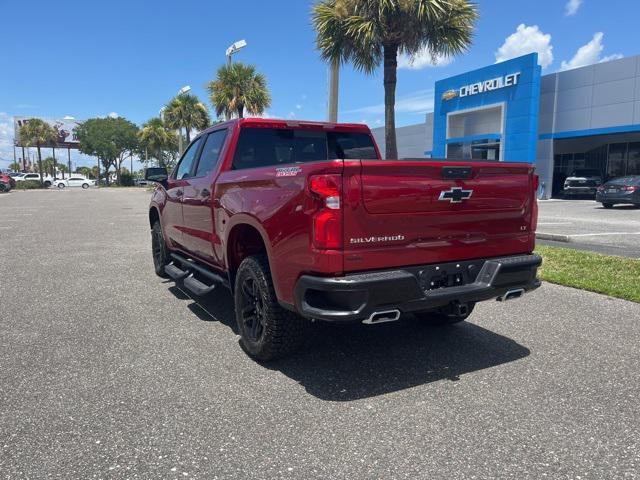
(553, 236)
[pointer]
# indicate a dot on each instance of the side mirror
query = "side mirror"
(156, 174)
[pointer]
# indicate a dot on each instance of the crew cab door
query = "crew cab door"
(172, 218)
(198, 232)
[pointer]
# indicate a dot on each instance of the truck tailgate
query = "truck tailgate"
(400, 212)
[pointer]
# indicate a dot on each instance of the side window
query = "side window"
(350, 146)
(261, 147)
(210, 153)
(184, 168)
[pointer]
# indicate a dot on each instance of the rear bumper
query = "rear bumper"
(356, 297)
(618, 197)
(580, 190)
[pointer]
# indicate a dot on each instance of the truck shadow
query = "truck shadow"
(351, 362)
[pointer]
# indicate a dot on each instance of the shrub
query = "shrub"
(28, 185)
(126, 179)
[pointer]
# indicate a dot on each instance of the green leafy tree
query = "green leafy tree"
(62, 168)
(86, 171)
(15, 166)
(37, 133)
(186, 111)
(159, 142)
(48, 165)
(239, 88)
(370, 32)
(112, 140)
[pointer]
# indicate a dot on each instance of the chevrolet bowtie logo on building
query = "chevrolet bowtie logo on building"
(449, 94)
(455, 195)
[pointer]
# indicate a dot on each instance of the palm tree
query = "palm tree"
(238, 87)
(186, 111)
(15, 166)
(370, 32)
(159, 141)
(63, 169)
(48, 164)
(37, 132)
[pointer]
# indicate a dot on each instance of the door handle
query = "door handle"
(205, 192)
(179, 192)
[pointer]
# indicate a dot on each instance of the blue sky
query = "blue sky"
(88, 59)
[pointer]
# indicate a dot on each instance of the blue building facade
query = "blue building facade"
(493, 109)
(585, 118)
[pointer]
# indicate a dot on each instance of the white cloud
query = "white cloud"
(421, 60)
(113, 115)
(589, 54)
(298, 106)
(608, 58)
(416, 102)
(6, 139)
(527, 40)
(291, 115)
(572, 6)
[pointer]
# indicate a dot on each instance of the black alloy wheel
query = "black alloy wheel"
(252, 309)
(267, 330)
(159, 250)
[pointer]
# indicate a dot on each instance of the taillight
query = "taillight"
(601, 188)
(327, 222)
(536, 182)
(630, 188)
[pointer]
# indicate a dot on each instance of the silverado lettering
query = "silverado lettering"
(393, 238)
(322, 242)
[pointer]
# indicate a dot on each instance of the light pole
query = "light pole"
(334, 80)
(233, 48)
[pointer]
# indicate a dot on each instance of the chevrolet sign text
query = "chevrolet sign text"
(489, 85)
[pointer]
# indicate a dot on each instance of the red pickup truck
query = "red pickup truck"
(304, 221)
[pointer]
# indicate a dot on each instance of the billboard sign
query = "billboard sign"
(65, 129)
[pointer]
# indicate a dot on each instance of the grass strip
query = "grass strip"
(614, 276)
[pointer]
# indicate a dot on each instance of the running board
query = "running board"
(175, 273)
(196, 287)
(187, 269)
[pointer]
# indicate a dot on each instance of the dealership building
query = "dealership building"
(588, 117)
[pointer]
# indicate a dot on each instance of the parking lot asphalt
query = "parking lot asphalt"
(107, 371)
(587, 225)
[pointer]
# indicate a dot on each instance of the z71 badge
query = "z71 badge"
(287, 171)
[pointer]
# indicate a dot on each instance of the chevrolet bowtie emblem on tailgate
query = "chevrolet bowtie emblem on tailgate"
(455, 195)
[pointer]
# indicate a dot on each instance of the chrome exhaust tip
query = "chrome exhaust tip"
(511, 295)
(382, 317)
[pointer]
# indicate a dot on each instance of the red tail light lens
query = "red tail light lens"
(327, 222)
(630, 188)
(536, 182)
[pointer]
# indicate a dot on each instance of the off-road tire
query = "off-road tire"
(159, 250)
(443, 318)
(607, 205)
(282, 332)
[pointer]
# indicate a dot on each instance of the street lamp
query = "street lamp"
(184, 90)
(239, 45)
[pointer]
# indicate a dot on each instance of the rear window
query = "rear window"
(624, 181)
(261, 147)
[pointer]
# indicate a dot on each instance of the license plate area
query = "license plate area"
(447, 275)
